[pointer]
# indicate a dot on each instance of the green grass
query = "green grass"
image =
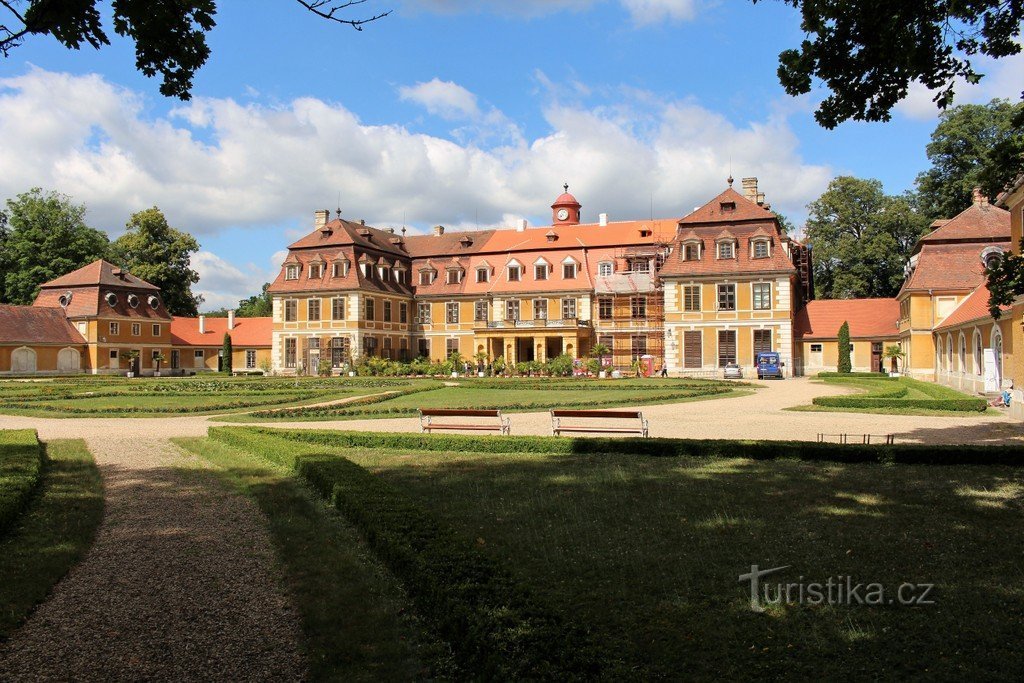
(894, 396)
(356, 620)
(53, 533)
(516, 396)
(21, 464)
(86, 397)
(645, 553)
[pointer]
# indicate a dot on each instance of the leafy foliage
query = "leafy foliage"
(862, 238)
(21, 466)
(154, 251)
(1005, 281)
(868, 52)
(227, 353)
(45, 237)
(169, 35)
(845, 365)
(974, 145)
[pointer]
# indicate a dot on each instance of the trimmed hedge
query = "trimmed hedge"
(322, 411)
(853, 375)
(165, 410)
(496, 628)
(923, 454)
(958, 405)
(21, 467)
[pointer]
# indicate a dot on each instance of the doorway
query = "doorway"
(876, 357)
(524, 350)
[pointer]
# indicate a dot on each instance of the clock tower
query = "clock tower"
(566, 210)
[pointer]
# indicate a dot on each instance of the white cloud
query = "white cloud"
(642, 12)
(646, 12)
(223, 284)
(1004, 78)
(216, 163)
(442, 98)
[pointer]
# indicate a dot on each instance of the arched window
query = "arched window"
(978, 351)
(949, 352)
(938, 354)
(997, 347)
(962, 363)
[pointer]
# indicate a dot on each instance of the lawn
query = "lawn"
(513, 395)
(53, 532)
(163, 397)
(644, 553)
(894, 396)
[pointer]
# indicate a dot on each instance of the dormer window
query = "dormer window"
(691, 251)
(569, 271)
(483, 274)
(133, 301)
(639, 265)
(514, 273)
(605, 268)
(384, 273)
(645, 233)
(453, 276)
(991, 257)
(110, 298)
(316, 271)
(427, 277)
(291, 272)
(726, 250)
(761, 248)
(339, 269)
(728, 207)
(540, 271)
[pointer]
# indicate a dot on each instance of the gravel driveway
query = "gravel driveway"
(181, 584)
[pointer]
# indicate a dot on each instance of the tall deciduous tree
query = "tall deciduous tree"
(169, 35)
(861, 239)
(154, 251)
(256, 306)
(46, 237)
(868, 52)
(973, 145)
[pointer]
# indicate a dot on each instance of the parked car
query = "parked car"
(769, 366)
(733, 371)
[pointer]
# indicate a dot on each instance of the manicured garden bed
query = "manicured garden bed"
(898, 396)
(634, 560)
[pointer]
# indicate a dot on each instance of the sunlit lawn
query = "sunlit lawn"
(648, 551)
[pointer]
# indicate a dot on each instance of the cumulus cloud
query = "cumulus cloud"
(216, 163)
(442, 98)
(656, 11)
(1004, 78)
(223, 284)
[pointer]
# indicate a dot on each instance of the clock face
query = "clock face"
(563, 214)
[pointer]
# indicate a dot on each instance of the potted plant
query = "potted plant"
(158, 358)
(895, 354)
(598, 352)
(481, 363)
(132, 356)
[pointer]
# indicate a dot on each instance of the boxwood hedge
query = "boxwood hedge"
(21, 466)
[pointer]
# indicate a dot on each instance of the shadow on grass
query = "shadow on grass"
(647, 552)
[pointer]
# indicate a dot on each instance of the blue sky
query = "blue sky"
(448, 111)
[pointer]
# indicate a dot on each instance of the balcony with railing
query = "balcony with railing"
(546, 323)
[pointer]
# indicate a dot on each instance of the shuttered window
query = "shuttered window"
(726, 347)
(693, 349)
(762, 342)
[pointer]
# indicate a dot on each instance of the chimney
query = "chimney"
(362, 221)
(231, 320)
(202, 324)
(978, 198)
(602, 219)
(521, 225)
(438, 230)
(320, 218)
(750, 191)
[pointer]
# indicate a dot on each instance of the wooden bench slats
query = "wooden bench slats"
(557, 427)
(427, 424)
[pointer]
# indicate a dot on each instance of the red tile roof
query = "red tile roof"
(341, 233)
(30, 325)
(99, 273)
(974, 307)
(744, 261)
(868, 318)
(978, 223)
(248, 332)
(956, 266)
(718, 211)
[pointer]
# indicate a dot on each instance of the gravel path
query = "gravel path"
(181, 583)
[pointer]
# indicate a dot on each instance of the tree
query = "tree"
(844, 348)
(226, 352)
(169, 35)
(46, 237)
(154, 251)
(974, 145)
(861, 238)
(868, 52)
(257, 306)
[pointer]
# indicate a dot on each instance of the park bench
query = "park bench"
(611, 422)
(428, 423)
